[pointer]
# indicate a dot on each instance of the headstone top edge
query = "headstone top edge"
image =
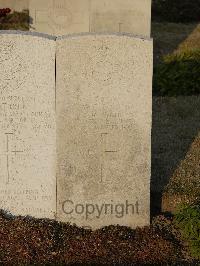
(96, 34)
(74, 35)
(28, 33)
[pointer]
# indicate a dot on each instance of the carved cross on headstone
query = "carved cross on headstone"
(105, 151)
(9, 153)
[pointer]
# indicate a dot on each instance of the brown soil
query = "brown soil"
(28, 241)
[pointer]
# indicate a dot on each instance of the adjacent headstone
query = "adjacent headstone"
(27, 124)
(60, 17)
(133, 16)
(104, 129)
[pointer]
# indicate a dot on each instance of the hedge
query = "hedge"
(178, 74)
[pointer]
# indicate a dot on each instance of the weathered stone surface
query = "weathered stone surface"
(103, 105)
(17, 5)
(133, 16)
(60, 17)
(27, 124)
(104, 129)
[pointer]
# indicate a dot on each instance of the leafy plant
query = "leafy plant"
(15, 21)
(188, 220)
(178, 74)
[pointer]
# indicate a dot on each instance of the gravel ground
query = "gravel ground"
(28, 241)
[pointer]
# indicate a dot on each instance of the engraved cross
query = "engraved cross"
(9, 153)
(105, 151)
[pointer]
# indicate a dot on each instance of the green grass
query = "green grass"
(174, 38)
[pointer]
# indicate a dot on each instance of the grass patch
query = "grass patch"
(174, 38)
(176, 69)
(178, 74)
(188, 220)
(184, 184)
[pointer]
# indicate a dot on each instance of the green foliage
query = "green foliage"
(15, 21)
(176, 10)
(188, 220)
(178, 74)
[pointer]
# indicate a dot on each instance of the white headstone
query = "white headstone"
(104, 130)
(75, 135)
(60, 17)
(15, 5)
(27, 125)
